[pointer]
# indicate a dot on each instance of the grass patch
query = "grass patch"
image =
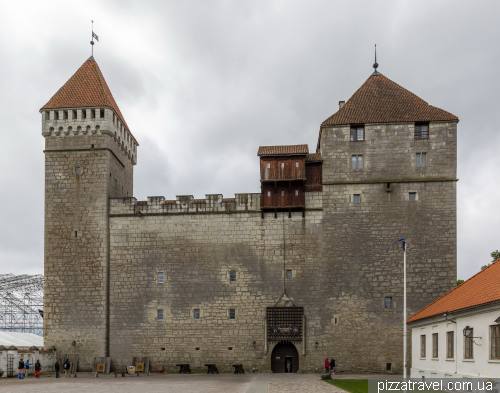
(350, 385)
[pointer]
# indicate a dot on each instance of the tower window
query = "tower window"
(288, 274)
(56, 115)
(357, 133)
(92, 113)
(388, 367)
(232, 275)
(232, 313)
(335, 321)
(421, 160)
(65, 115)
(74, 115)
(296, 164)
(101, 113)
(76, 233)
(296, 192)
(421, 130)
(388, 302)
(282, 164)
(84, 113)
(412, 196)
(78, 171)
(161, 278)
(196, 313)
(159, 313)
(357, 162)
(47, 115)
(356, 198)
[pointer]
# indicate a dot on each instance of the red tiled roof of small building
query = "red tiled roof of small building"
(86, 88)
(314, 157)
(170, 202)
(482, 288)
(228, 199)
(199, 201)
(284, 150)
(380, 100)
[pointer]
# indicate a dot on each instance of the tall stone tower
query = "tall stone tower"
(89, 158)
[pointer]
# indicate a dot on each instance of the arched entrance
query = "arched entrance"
(285, 358)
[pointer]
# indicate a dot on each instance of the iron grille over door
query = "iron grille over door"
(284, 323)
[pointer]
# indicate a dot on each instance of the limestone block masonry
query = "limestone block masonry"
(127, 278)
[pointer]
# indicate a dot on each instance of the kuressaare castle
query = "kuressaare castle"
(277, 280)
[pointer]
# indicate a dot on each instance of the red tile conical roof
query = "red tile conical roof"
(380, 100)
(482, 288)
(86, 88)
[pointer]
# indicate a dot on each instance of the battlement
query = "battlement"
(185, 204)
(85, 121)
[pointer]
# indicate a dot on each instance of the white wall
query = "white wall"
(480, 319)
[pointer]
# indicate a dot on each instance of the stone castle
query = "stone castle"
(277, 280)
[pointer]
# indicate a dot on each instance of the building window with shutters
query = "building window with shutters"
(422, 346)
(469, 346)
(450, 345)
(357, 133)
(435, 346)
(495, 342)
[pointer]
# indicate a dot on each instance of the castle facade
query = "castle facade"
(277, 280)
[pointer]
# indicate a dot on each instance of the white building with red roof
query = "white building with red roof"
(458, 335)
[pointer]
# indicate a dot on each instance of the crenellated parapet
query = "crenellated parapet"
(185, 204)
(72, 122)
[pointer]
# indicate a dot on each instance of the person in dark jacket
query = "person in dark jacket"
(66, 367)
(38, 367)
(332, 365)
(56, 367)
(20, 369)
(327, 365)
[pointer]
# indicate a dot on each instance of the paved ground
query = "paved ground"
(173, 383)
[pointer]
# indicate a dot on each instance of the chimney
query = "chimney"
(341, 104)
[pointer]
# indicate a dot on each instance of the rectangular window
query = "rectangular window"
(356, 198)
(84, 113)
(161, 278)
(296, 192)
(412, 197)
(469, 346)
(101, 113)
(422, 346)
(232, 313)
(421, 160)
(336, 321)
(421, 130)
(450, 345)
(232, 275)
(495, 342)
(268, 165)
(357, 162)
(296, 164)
(388, 302)
(288, 274)
(282, 193)
(357, 133)
(435, 345)
(78, 171)
(287, 303)
(160, 314)
(196, 313)
(65, 115)
(74, 115)
(269, 193)
(47, 115)
(282, 164)
(92, 113)
(56, 115)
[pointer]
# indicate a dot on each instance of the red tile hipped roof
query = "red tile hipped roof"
(283, 150)
(480, 289)
(86, 88)
(380, 100)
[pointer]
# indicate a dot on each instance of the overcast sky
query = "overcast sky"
(202, 84)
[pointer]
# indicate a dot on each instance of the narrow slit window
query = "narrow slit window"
(196, 313)
(160, 314)
(56, 115)
(388, 302)
(269, 193)
(388, 367)
(296, 164)
(78, 171)
(289, 274)
(84, 113)
(335, 321)
(296, 192)
(47, 115)
(161, 278)
(282, 164)
(92, 113)
(232, 313)
(65, 115)
(76, 233)
(232, 275)
(75, 115)
(282, 193)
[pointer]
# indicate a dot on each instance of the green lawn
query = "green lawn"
(350, 385)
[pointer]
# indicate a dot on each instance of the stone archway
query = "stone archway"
(285, 358)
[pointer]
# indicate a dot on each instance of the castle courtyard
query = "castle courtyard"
(175, 383)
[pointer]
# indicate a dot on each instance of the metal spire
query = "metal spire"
(94, 35)
(375, 65)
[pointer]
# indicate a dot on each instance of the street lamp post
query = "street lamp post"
(404, 244)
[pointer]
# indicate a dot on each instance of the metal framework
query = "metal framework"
(21, 303)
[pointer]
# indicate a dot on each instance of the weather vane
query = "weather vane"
(375, 65)
(94, 35)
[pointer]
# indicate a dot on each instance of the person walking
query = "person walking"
(27, 368)
(38, 367)
(327, 365)
(56, 367)
(20, 369)
(66, 367)
(332, 365)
